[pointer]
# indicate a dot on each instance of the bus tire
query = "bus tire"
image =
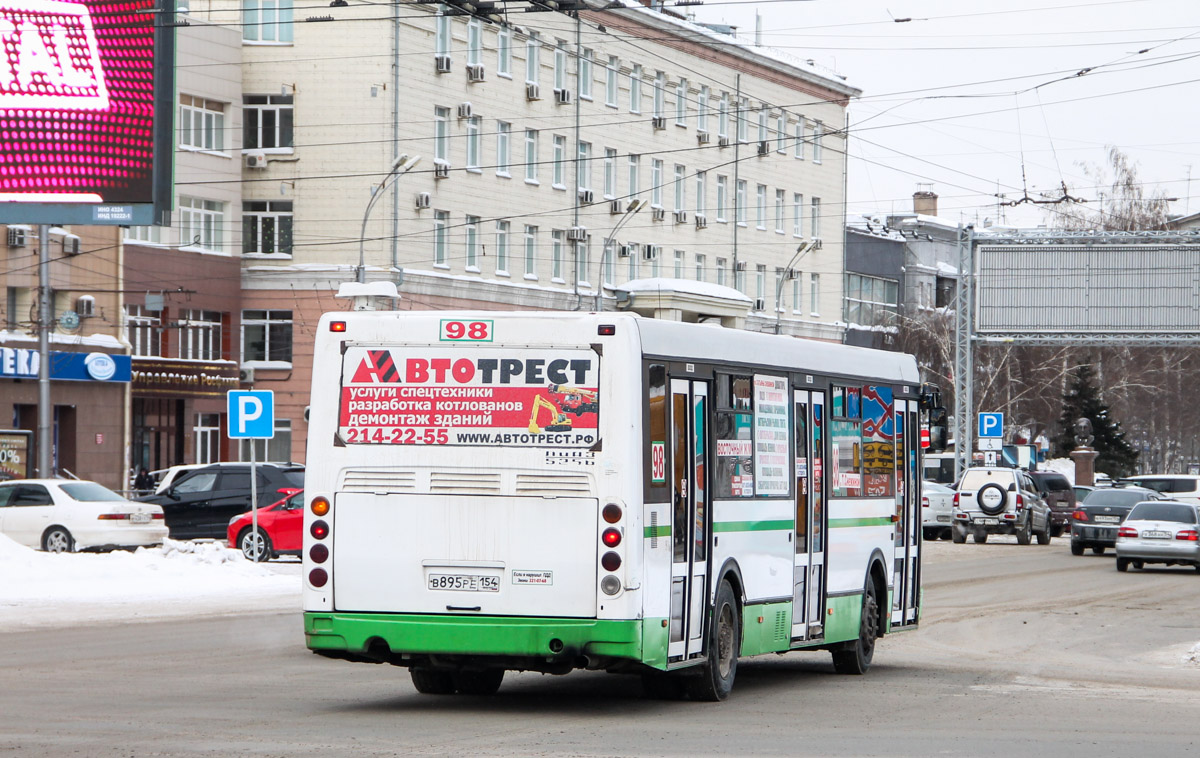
(715, 681)
(856, 657)
(478, 681)
(432, 681)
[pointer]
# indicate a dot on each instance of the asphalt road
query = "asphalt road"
(1022, 651)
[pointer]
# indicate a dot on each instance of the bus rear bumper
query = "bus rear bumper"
(529, 643)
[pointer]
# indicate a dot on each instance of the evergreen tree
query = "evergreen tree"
(1082, 400)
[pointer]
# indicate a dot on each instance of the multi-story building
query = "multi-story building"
(534, 138)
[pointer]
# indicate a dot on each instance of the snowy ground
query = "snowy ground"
(179, 579)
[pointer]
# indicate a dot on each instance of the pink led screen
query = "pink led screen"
(77, 101)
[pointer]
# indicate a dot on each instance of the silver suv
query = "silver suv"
(999, 501)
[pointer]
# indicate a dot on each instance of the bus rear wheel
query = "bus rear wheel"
(856, 657)
(715, 681)
(432, 681)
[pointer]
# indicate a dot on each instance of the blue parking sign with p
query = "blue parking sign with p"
(991, 425)
(251, 414)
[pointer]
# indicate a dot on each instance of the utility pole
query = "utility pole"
(43, 326)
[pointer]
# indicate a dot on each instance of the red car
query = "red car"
(280, 526)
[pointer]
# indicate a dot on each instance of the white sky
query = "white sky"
(1145, 104)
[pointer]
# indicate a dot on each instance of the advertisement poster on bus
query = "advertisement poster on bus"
(771, 453)
(485, 397)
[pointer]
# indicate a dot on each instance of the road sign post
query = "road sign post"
(252, 417)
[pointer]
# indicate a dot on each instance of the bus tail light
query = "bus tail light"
(319, 530)
(319, 553)
(612, 513)
(337, 326)
(318, 577)
(319, 506)
(611, 561)
(610, 585)
(611, 537)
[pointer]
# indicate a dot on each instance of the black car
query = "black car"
(1094, 523)
(1058, 493)
(200, 502)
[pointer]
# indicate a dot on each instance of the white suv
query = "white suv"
(1182, 487)
(999, 501)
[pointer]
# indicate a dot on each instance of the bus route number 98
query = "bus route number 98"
(466, 331)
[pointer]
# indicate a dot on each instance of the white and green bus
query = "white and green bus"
(549, 491)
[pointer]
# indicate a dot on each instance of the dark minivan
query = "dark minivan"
(200, 502)
(1058, 493)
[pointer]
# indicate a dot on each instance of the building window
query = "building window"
(201, 123)
(560, 151)
(472, 227)
(722, 198)
(633, 265)
(739, 202)
(557, 241)
(800, 137)
(502, 228)
(474, 42)
(267, 20)
(796, 281)
(267, 122)
(201, 223)
(267, 227)
(779, 202)
(278, 448)
(531, 156)
(532, 45)
(701, 194)
(149, 234)
(560, 66)
(582, 261)
(814, 294)
(818, 135)
(797, 215)
(206, 433)
(656, 181)
(681, 102)
(610, 81)
(660, 83)
(700, 273)
(762, 124)
(633, 177)
(721, 272)
(610, 172)
(743, 121)
(143, 330)
(441, 135)
(760, 282)
(635, 89)
(814, 223)
(680, 199)
(504, 52)
(585, 166)
(723, 116)
(739, 277)
(702, 109)
(503, 138)
(610, 252)
(531, 252)
(760, 208)
(473, 124)
(267, 336)
(441, 36)
(585, 75)
(870, 300)
(781, 133)
(678, 264)
(441, 219)
(199, 335)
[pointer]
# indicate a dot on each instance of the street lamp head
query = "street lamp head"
(398, 162)
(413, 161)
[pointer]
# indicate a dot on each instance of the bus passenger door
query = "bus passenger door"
(689, 523)
(908, 517)
(807, 597)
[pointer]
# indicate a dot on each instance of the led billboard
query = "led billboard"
(86, 105)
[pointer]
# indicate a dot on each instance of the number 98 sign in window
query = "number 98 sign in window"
(454, 395)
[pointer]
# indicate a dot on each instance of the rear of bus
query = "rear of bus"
(465, 512)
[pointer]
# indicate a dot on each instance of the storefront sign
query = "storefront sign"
(14, 454)
(178, 378)
(24, 363)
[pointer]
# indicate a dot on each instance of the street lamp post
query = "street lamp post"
(634, 207)
(788, 274)
(400, 167)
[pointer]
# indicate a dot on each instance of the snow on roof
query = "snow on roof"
(684, 286)
(91, 340)
(945, 269)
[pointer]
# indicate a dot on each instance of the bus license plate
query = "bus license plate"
(464, 582)
(139, 518)
(1156, 535)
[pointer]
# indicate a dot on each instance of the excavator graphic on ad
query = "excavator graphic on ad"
(568, 400)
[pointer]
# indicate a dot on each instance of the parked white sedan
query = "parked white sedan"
(937, 508)
(62, 515)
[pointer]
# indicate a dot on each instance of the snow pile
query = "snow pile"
(1064, 466)
(1193, 656)
(177, 579)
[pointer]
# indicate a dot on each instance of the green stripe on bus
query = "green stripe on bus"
(835, 523)
(663, 530)
(753, 526)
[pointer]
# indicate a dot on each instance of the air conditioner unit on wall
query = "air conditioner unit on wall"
(763, 148)
(465, 110)
(760, 304)
(816, 243)
(650, 252)
(627, 250)
(659, 213)
(442, 63)
(586, 196)
(441, 170)
(71, 245)
(475, 72)
(17, 237)
(532, 91)
(659, 122)
(255, 160)
(562, 96)
(680, 217)
(701, 221)
(723, 142)
(616, 207)
(246, 375)
(422, 200)
(702, 138)
(577, 234)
